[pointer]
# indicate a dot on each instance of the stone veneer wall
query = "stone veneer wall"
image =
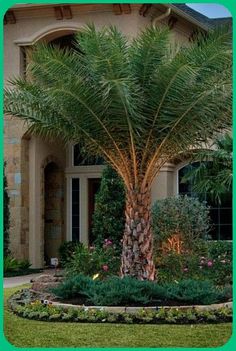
(16, 157)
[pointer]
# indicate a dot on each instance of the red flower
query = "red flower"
(105, 267)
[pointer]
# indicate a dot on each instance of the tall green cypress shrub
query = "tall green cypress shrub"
(108, 217)
(6, 217)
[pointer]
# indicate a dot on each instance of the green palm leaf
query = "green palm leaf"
(137, 104)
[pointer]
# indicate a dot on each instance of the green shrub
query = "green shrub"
(194, 292)
(101, 261)
(66, 251)
(220, 249)
(10, 264)
(77, 286)
(220, 254)
(13, 265)
(182, 214)
(115, 291)
(174, 267)
(24, 264)
(108, 218)
(126, 291)
(210, 261)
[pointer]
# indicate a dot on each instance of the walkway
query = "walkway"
(23, 279)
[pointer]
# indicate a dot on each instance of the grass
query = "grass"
(26, 333)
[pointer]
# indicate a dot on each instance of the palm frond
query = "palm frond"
(136, 104)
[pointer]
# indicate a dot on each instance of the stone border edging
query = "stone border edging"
(22, 304)
(118, 309)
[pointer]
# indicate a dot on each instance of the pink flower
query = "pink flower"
(185, 269)
(209, 263)
(105, 267)
(202, 262)
(107, 242)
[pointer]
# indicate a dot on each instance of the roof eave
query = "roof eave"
(189, 18)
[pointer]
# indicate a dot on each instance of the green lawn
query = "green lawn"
(25, 333)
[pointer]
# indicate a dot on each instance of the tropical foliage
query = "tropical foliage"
(14, 267)
(214, 171)
(136, 104)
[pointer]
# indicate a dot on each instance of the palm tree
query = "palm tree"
(136, 104)
(211, 171)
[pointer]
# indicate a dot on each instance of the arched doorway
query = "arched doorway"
(53, 210)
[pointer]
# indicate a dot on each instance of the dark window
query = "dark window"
(81, 159)
(65, 42)
(220, 213)
(23, 61)
(75, 209)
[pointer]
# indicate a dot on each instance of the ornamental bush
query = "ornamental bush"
(124, 292)
(220, 254)
(108, 218)
(195, 292)
(127, 291)
(209, 261)
(66, 251)
(94, 261)
(182, 215)
(14, 267)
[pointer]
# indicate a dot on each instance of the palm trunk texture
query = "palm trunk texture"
(138, 240)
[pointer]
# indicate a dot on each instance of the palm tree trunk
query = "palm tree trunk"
(138, 240)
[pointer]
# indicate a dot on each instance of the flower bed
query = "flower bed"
(47, 311)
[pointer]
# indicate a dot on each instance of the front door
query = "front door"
(93, 187)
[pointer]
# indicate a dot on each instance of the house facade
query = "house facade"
(51, 189)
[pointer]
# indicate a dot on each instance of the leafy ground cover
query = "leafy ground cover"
(27, 333)
(14, 267)
(128, 291)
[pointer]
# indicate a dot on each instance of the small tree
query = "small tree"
(6, 217)
(108, 218)
(181, 216)
(137, 104)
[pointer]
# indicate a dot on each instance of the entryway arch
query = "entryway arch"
(49, 33)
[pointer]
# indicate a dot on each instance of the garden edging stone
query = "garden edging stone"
(133, 309)
(29, 295)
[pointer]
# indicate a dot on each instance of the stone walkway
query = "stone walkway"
(23, 279)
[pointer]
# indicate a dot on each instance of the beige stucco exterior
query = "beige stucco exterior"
(27, 156)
